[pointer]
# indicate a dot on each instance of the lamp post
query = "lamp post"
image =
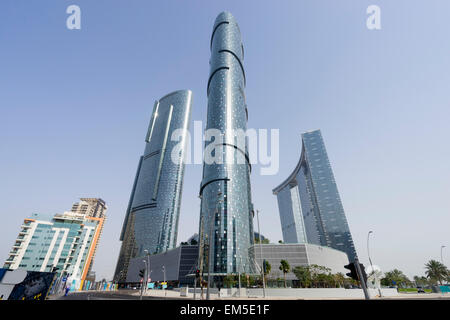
(262, 260)
(370, 260)
(164, 270)
(200, 260)
(239, 275)
(368, 251)
(148, 268)
(442, 260)
(211, 224)
(143, 280)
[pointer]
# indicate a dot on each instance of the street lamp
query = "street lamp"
(148, 268)
(211, 223)
(239, 274)
(442, 260)
(262, 260)
(370, 260)
(368, 251)
(143, 281)
(164, 283)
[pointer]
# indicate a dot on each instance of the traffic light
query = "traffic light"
(197, 273)
(352, 274)
(141, 273)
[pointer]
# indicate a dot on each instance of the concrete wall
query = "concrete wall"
(299, 255)
(327, 257)
(169, 259)
(300, 293)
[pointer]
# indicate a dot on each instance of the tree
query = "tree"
(193, 242)
(394, 277)
(285, 267)
(320, 275)
(421, 281)
(339, 279)
(436, 271)
(263, 241)
(229, 281)
(303, 274)
(267, 268)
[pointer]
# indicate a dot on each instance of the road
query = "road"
(133, 295)
(108, 295)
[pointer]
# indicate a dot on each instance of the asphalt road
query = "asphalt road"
(126, 295)
(108, 296)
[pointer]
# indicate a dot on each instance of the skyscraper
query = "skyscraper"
(226, 217)
(92, 207)
(151, 220)
(66, 241)
(310, 207)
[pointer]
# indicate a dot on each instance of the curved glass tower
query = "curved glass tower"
(310, 207)
(151, 221)
(226, 217)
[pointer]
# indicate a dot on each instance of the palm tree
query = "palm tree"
(267, 268)
(285, 267)
(339, 278)
(436, 271)
(421, 281)
(394, 277)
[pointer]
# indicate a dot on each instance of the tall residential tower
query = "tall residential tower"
(65, 241)
(151, 220)
(310, 207)
(226, 217)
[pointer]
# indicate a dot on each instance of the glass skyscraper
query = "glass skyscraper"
(226, 217)
(310, 207)
(151, 221)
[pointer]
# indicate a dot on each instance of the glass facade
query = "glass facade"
(151, 221)
(226, 217)
(310, 207)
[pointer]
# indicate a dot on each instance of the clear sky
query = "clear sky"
(75, 106)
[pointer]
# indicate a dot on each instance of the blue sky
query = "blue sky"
(75, 105)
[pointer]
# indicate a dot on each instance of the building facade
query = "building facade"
(66, 241)
(310, 207)
(226, 217)
(151, 220)
(303, 254)
(176, 265)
